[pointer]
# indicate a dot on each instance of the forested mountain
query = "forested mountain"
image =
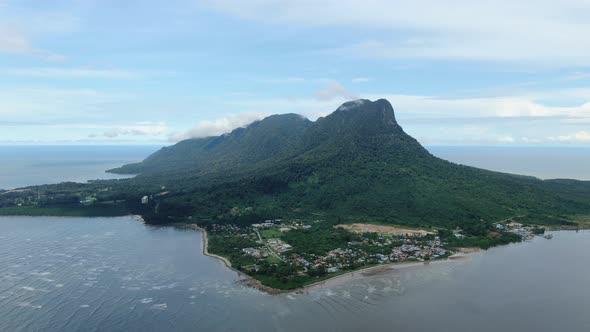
(243, 148)
(354, 163)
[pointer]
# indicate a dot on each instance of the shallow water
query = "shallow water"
(117, 274)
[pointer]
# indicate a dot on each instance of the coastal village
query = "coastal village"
(371, 249)
(294, 252)
(265, 244)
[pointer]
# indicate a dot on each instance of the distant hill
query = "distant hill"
(352, 164)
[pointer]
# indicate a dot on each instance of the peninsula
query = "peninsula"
(291, 202)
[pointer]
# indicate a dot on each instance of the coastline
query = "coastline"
(364, 271)
(374, 270)
(205, 251)
(138, 217)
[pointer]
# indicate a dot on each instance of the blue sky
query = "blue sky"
(155, 72)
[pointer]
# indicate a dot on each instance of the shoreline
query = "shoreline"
(375, 270)
(364, 271)
(205, 251)
(138, 217)
(368, 271)
(134, 216)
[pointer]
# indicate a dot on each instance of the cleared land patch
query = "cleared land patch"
(381, 229)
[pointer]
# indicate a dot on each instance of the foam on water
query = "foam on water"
(160, 306)
(141, 278)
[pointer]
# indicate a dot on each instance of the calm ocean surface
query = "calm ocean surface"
(117, 274)
(30, 165)
(544, 163)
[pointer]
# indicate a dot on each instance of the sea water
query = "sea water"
(118, 274)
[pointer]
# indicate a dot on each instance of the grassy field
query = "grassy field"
(377, 222)
(270, 233)
(382, 229)
(273, 260)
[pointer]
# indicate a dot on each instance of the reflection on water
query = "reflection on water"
(116, 274)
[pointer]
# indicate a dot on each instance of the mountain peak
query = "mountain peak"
(381, 107)
(286, 117)
(362, 127)
(353, 104)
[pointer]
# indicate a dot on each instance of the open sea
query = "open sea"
(541, 162)
(27, 165)
(118, 274)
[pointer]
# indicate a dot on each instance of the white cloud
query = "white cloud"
(360, 80)
(23, 25)
(523, 119)
(501, 107)
(577, 76)
(290, 80)
(13, 41)
(334, 90)
(64, 105)
(285, 80)
(139, 129)
(69, 73)
(48, 56)
(503, 30)
(527, 119)
(420, 107)
(219, 126)
(528, 140)
(59, 132)
(350, 105)
(579, 137)
(505, 139)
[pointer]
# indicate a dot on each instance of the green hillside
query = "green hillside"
(354, 164)
(242, 149)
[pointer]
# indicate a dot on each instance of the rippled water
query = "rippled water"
(117, 274)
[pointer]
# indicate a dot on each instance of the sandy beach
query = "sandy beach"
(207, 253)
(244, 278)
(371, 271)
(363, 272)
(225, 261)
